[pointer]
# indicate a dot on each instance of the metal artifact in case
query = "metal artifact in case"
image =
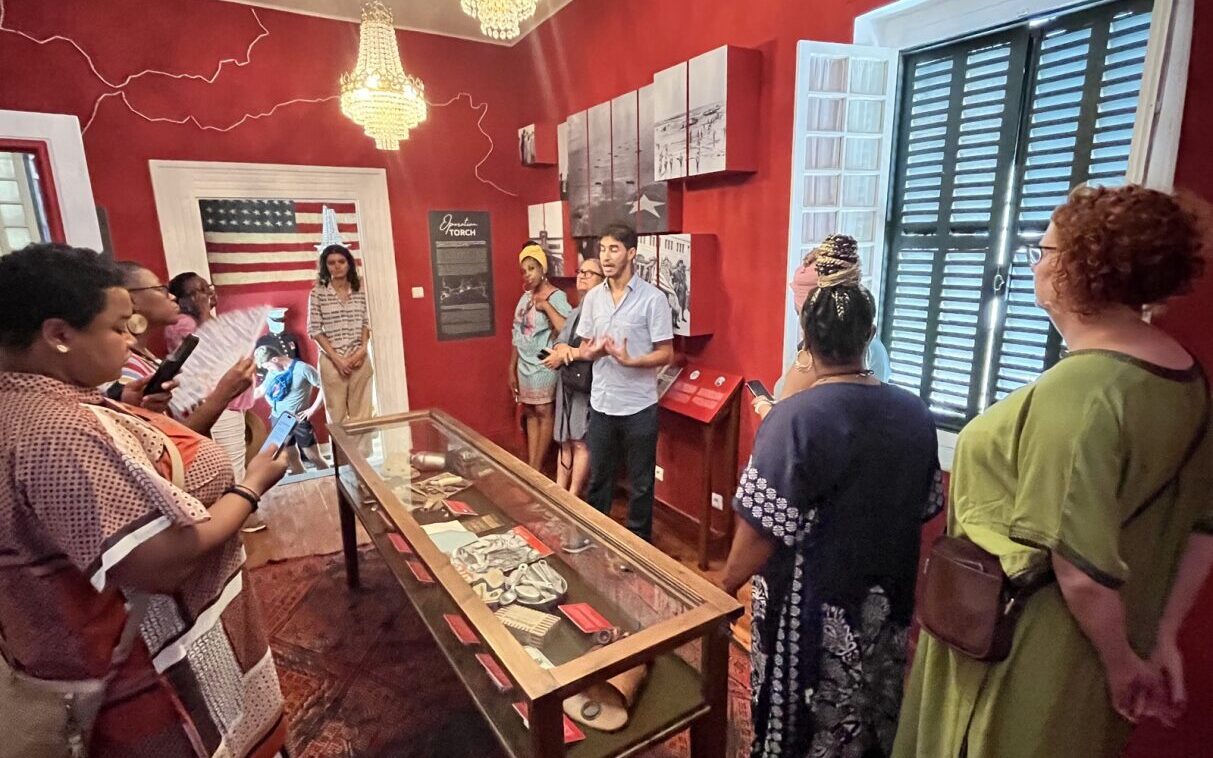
(542, 605)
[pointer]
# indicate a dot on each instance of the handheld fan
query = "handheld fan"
(222, 341)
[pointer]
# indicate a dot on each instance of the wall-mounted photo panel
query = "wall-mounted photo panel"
(646, 258)
(579, 175)
(537, 145)
(659, 205)
(670, 122)
(601, 203)
(625, 171)
(562, 158)
(723, 86)
(552, 240)
(688, 275)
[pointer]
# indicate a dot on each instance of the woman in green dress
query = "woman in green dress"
(1099, 472)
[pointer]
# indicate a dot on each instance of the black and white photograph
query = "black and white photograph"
(670, 122)
(625, 172)
(646, 258)
(526, 145)
(545, 225)
(601, 208)
(579, 175)
(708, 89)
(675, 279)
(652, 203)
(562, 158)
(587, 247)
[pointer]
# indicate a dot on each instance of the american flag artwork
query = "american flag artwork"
(251, 243)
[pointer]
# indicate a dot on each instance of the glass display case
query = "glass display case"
(572, 635)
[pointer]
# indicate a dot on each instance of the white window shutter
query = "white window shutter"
(842, 143)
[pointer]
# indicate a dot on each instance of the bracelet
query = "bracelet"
(252, 497)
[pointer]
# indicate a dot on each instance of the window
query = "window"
(993, 132)
(22, 214)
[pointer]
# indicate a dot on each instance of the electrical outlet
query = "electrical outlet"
(660, 473)
(418, 293)
(717, 501)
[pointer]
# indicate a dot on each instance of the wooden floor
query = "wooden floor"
(302, 519)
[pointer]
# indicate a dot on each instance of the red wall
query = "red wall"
(301, 58)
(594, 50)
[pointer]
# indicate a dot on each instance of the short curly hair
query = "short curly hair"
(50, 280)
(1125, 246)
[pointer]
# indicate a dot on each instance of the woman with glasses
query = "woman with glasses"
(1091, 487)
(197, 300)
(572, 407)
(154, 307)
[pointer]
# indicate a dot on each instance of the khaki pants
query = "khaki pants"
(346, 397)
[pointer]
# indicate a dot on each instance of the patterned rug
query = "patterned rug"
(362, 676)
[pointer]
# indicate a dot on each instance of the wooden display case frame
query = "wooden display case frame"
(706, 620)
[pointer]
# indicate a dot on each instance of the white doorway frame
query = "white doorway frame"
(69, 169)
(179, 185)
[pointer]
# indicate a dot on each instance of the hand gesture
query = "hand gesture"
(618, 350)
(264, 471)
(237, 379)
(761, 406)
(557, 356)
(593, 349)
(342, 364)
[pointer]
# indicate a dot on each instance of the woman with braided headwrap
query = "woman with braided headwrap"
(841, 478)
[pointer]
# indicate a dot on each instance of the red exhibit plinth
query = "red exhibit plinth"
(708, 399)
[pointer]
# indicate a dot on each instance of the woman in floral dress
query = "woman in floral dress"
(831, 507)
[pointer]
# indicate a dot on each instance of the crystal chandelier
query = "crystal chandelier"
(499, 19)
(377, 95)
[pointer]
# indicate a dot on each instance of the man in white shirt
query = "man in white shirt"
(627, 324)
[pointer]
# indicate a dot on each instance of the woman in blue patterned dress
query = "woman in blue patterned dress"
(831, 506)
(538, 317)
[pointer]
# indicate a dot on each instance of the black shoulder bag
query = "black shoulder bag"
(577, 376)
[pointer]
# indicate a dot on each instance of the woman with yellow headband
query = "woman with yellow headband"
(540, 314)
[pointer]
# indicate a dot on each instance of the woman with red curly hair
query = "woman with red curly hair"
(1092, 484)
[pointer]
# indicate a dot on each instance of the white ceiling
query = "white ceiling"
(434, 16)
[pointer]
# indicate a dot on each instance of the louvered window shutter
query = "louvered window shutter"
(993, 133)
(842, 145)
(1086, 74)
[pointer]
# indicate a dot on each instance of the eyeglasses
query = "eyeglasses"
(1037, 252)
(162, 287)
(587, 272)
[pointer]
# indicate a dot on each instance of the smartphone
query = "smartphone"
(544, 353)
(171, 366)
(757, 389)
(280, 435)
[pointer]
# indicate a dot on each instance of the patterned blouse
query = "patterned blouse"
(340, 320)
(75, 501)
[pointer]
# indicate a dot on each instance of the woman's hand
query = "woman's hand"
(355, 359)
(514, 383)
(557, 356)
(1134, 686)
(237, 379)
(132, 394)
(264, 471)
(342, 364)
(1168, 660)
(762, 406)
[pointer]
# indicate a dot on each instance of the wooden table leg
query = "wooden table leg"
(705, 522)
(547, 728)
(710, 732)
(349, 539)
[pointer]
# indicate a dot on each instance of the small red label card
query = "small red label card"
(420, 572)
(495, 672)
(571, 731)
(526, 534)
(586, 618)
(460, 508)
(460, 628)
(400, 543)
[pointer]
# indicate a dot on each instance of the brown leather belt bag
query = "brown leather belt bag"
(968, 602)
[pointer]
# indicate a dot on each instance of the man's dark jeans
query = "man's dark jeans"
(633, 438)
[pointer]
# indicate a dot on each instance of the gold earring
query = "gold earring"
(62, 348)
(803, 368)
(137, 324)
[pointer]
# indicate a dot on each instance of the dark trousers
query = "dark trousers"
(634, 439)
